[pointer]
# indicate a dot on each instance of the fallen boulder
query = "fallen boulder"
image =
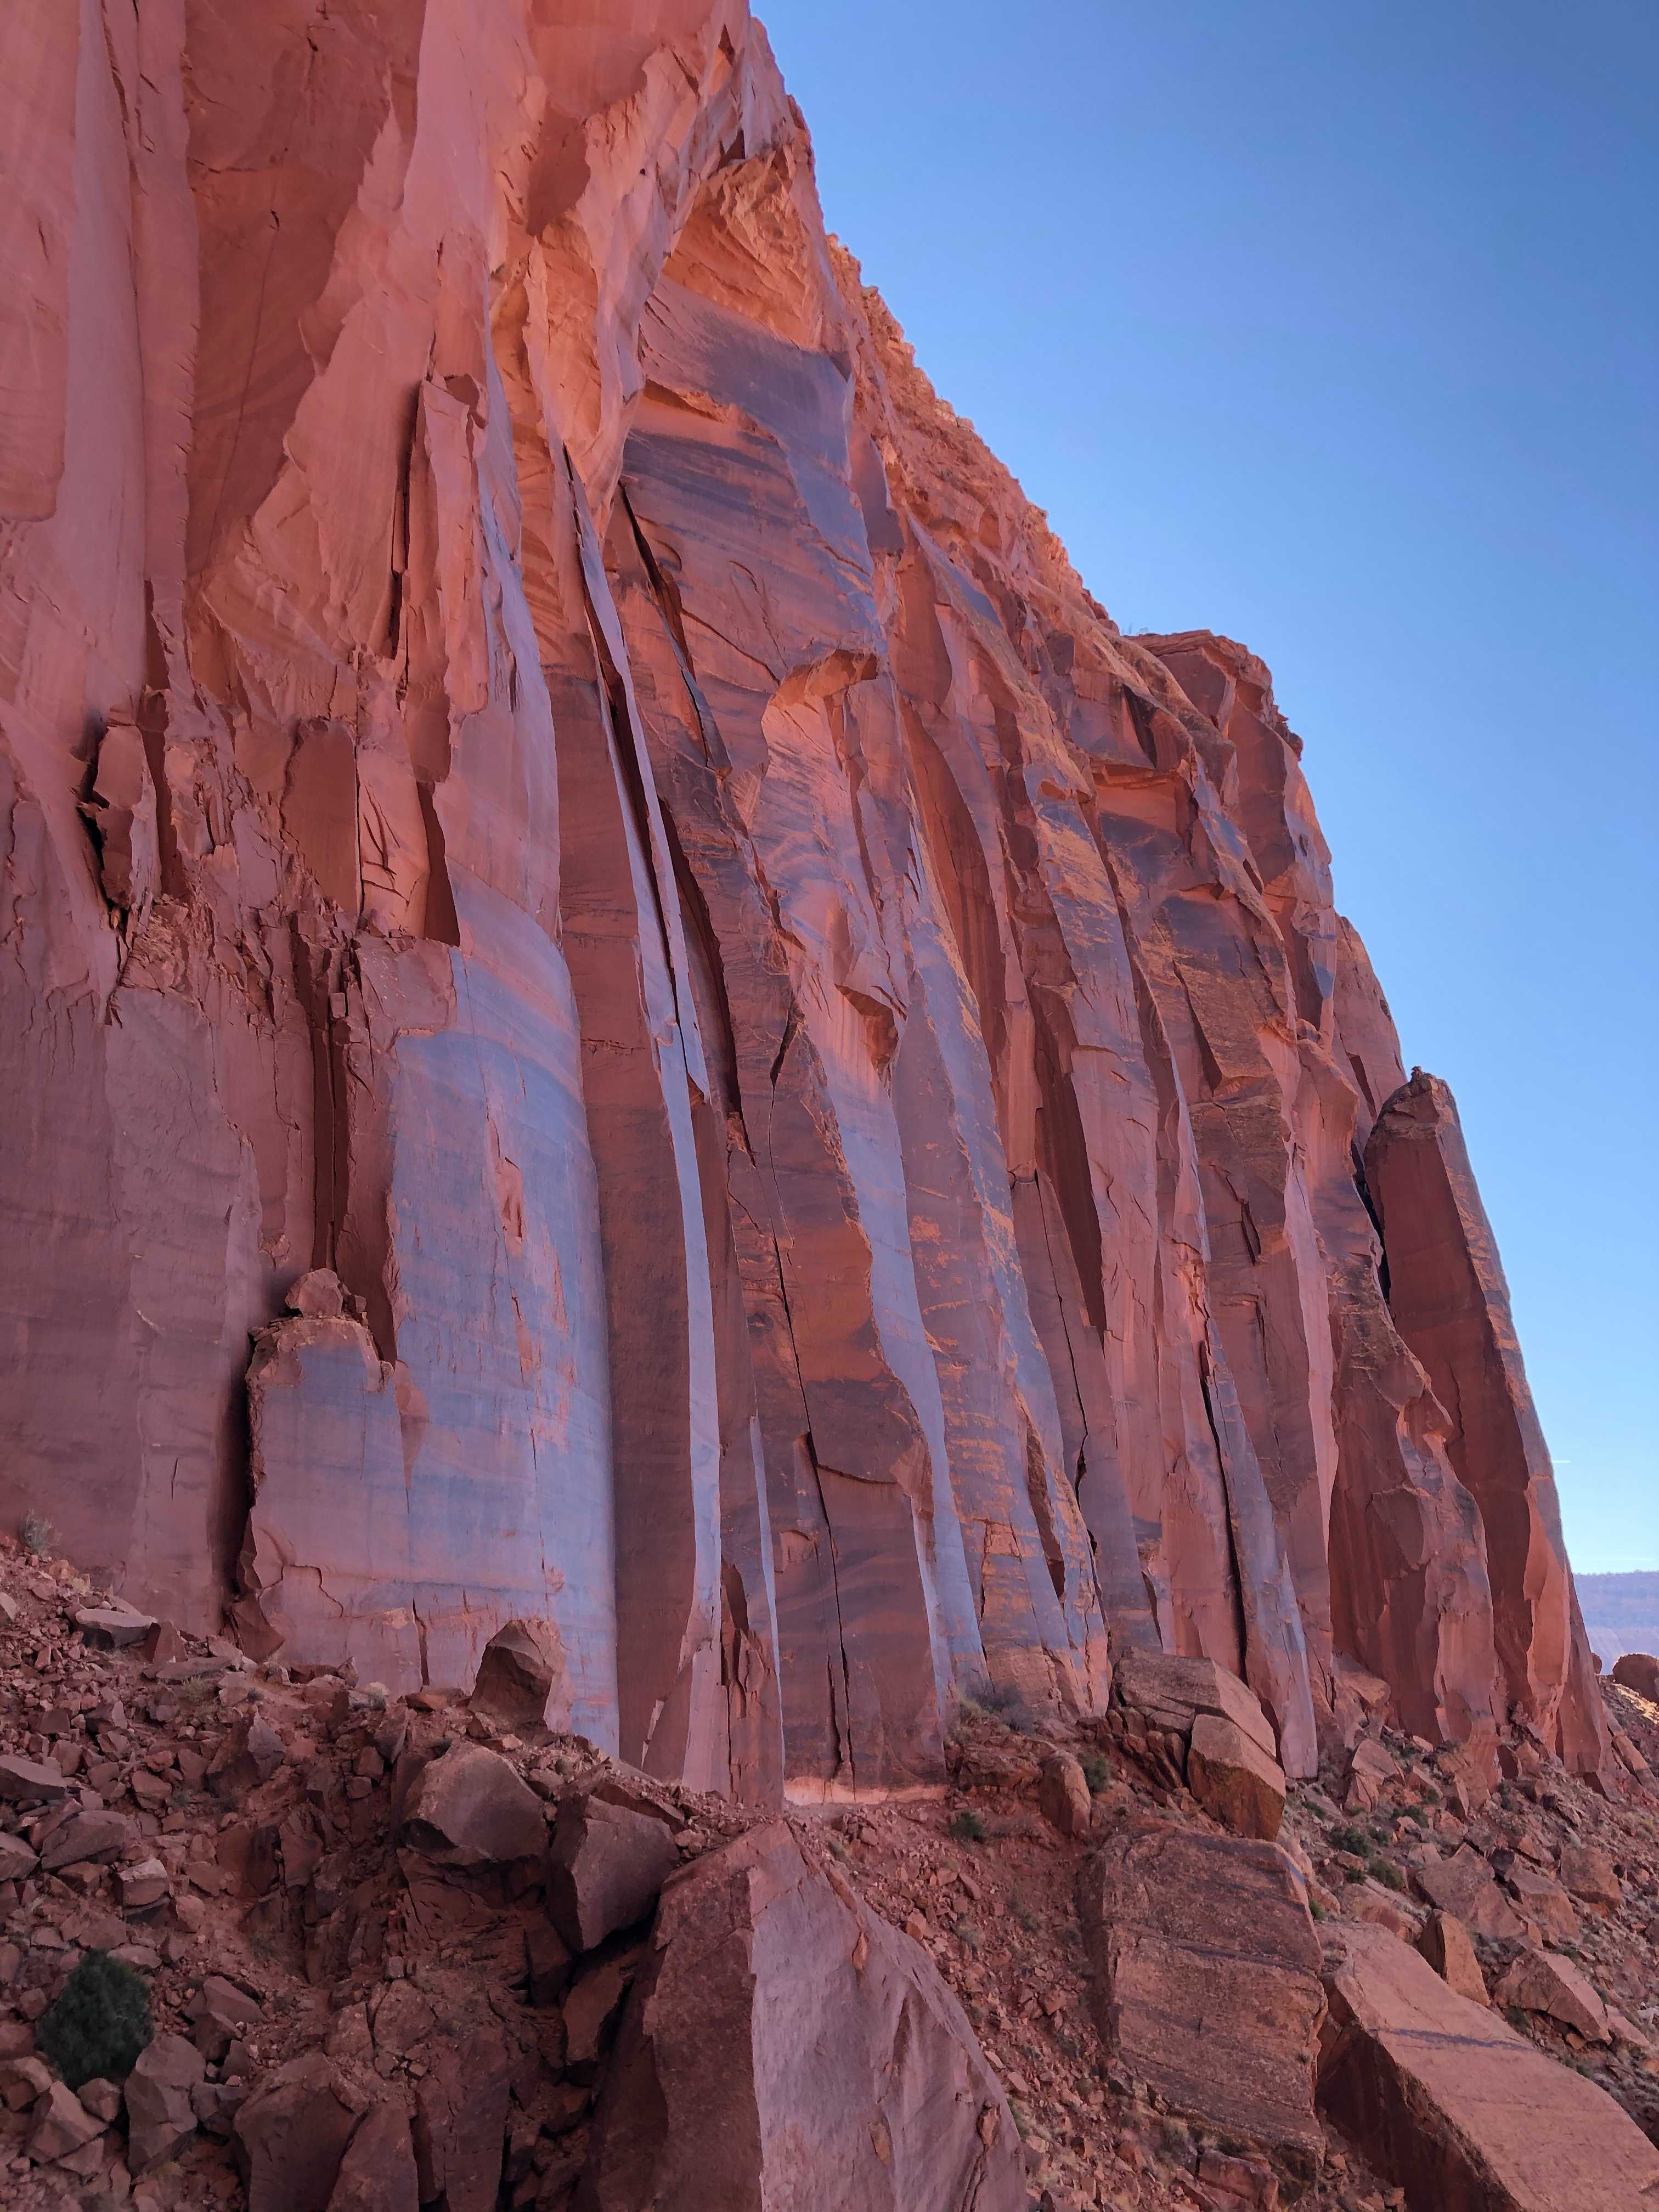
(607, 1864)
(1465, 1885)
(1544, 1981)
(1447, 1945)
(31, 1781)
(522, 1667)
(470, 1808)
(1205, 1972)
(1455, 2108)
(1638, 1671)
(1172, 1693)
(1591, 1877)
(289, 2137)
(1063, 1797)
(1234, 1779)
(161, 2118)
(784, 2046)
(59, 2124)
(377, 2174)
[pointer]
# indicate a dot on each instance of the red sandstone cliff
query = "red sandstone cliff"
(546, 774)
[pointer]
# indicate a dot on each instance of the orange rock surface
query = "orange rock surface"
(550, 785)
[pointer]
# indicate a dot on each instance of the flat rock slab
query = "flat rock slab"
(1205, 1976)
(785, 2047)
(1454, 2107)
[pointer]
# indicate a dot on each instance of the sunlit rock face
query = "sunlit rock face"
(547, 777)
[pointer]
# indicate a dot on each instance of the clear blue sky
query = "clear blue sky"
(1332, 324)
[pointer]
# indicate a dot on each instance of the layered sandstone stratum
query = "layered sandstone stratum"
(623, 1005)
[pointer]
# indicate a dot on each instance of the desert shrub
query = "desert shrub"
(36, 1534)
(1095, 1771)
(967, 1826)
(100, 2023)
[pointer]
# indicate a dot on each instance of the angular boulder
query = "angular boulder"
(161, 2118)
(1454, 2107)
(1464, 1884)
(1235, 1780)
(606, 1866)
(783, 2047)
(1447, 1945)
(1173, 1691)
(1591, 1876)
(1063, 1797)
(470, 1808)
(377, 2174)
(1542, 1981)
(289, 2137)
(60, 2124)
(1205, 1978)
(521, 1670)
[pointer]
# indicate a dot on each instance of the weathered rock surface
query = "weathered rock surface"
(1450, 1304)
(1638, 1671)
(1455, 2107)
(784, 2046)
(1446, 1944)
(1206, 1978)
(778, 1099)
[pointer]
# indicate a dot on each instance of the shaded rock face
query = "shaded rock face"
(556, 802)
(783, 2046)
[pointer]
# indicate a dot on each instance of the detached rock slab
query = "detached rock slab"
(471, 1807)
(1447, 1945)
(1206, 1978)
(1464, 1885)
(607, 1864)
(783, 2047)
(1454, 2107)
(1234, 1779)
(1543, 1981)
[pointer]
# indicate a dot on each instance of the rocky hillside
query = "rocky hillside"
(423, 1951)
(635, 1036)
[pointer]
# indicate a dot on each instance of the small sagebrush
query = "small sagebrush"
(967, 1827)
(36, 1534)
(99, 2024)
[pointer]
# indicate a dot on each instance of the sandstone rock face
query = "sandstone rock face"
(777, 1098)
(783, 2046)
(1450, 1302)
(1206, 1978)
(1455, 2107)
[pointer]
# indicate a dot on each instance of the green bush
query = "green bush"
(967, 1828)
(99, 2024)
(1095, 1771)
